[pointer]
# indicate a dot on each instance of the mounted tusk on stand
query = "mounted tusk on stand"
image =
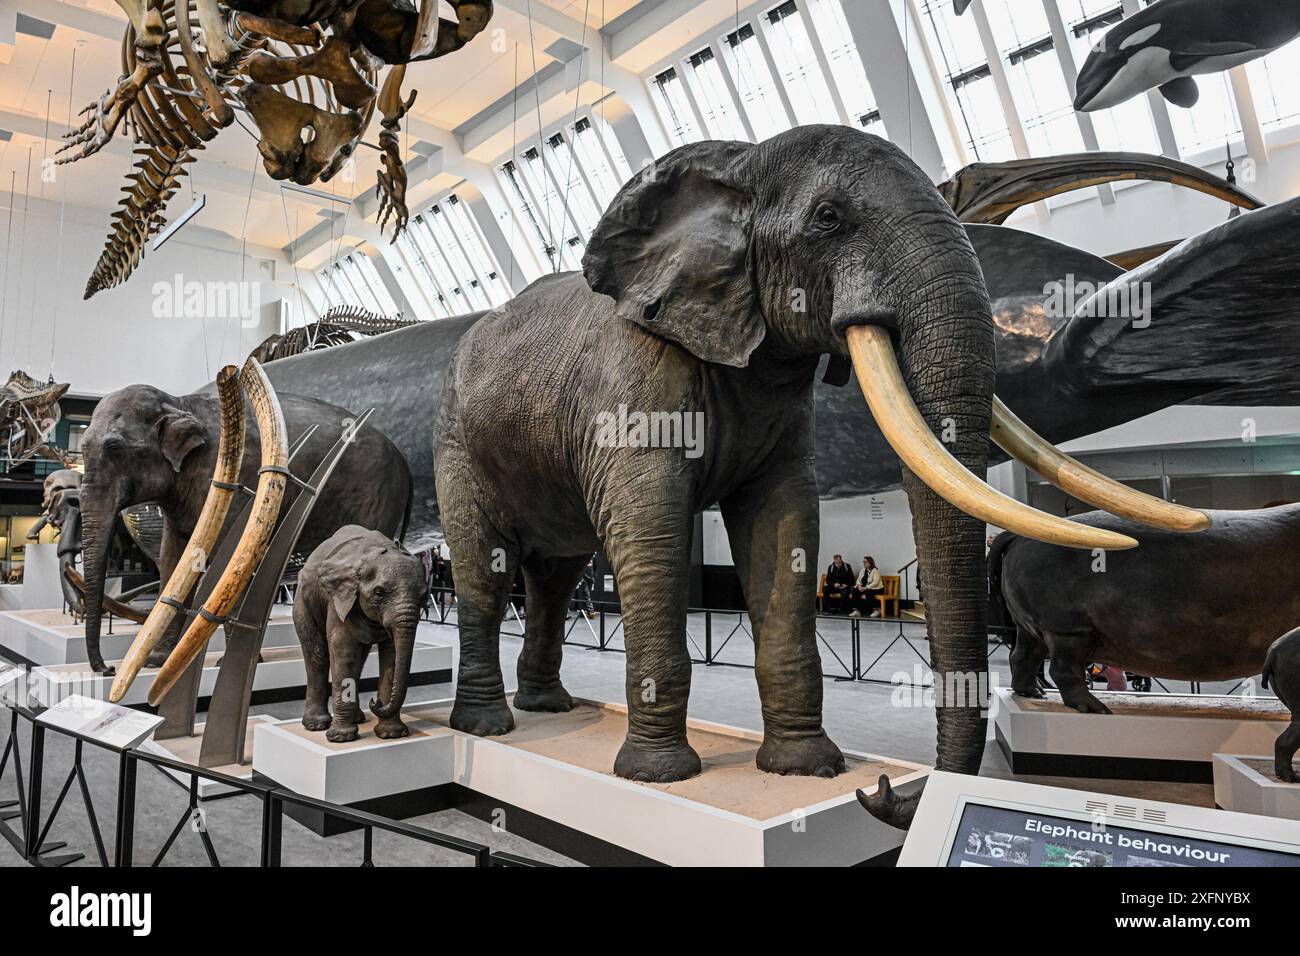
(1073, 477)
(263, 513)
(910, 437)
(225, 476)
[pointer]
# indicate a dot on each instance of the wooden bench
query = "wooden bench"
(890, 593)
(825, 601)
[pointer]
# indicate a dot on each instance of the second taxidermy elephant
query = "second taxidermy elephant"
(146, 445)
(1282, 674)
(604, 410)
(1200, 607)
(358, 589)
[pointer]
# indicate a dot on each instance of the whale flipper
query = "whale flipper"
(1181, 92)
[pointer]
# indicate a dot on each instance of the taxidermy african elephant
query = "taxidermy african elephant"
(359, 588)
(1199, 607)
(146, 445)
(1282, 674)
(713, 284)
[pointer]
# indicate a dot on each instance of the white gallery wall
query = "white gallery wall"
(139, 331)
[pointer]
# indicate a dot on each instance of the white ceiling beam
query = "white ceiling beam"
(61, 13)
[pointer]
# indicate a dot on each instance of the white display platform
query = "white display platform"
(50, 637)
(41, 586)
(1247, 784)
(187, 749)
(549, 781)
(1147, 737)
(280, 668)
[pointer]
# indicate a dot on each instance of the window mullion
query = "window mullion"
(684, 70)
(1065, 55)
(548, 237)
(824, 64)
(1251, 130)
(479, 277)
(422, 234)
(997, 69)
(1159, 112)
(760, 34)
(732, 90)
(570, 137)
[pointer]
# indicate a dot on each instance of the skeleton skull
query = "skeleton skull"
(299, 141)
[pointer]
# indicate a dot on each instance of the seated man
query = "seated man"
(839, 581)
(869, 586)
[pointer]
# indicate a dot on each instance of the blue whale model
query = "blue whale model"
(1169, 42)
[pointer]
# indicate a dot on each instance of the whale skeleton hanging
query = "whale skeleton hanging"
(307, 74)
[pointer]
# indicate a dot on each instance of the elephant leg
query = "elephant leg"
(389, 728)
(315, 657)
(485, 573)
(347, 657)
(170, 552)
(649, 548)
(549, 586)
(1284, 752)
(773, 525)
(1071, 655)
(1026, 661)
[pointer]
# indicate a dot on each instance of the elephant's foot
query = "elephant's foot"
(1285, 772)
(340, 733)
(316, 720)
(659, 763)
(815, 756)
(482, 720)
(1033, 690)
(391, 729)
(102, 669)
(1084, 702)
(549, 698)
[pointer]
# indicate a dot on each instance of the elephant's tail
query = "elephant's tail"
(1267, 674)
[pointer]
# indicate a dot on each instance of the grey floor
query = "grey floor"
(866, 717)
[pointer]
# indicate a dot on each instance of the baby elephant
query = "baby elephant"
(1282, 669)
(358, 588)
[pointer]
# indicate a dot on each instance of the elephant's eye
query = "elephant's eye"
(827, 217)
(380, 594)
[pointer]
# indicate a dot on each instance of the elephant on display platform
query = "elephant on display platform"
(1201, 607)
(146, 445)
(359, 588)
(604, 413)
(1282, 674)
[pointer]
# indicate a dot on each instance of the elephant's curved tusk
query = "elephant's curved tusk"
(1073, 477)
(263, 513)
(910, 437)
(230, 454)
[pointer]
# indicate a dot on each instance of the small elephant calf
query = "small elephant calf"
(358, 588)
(1282, 670)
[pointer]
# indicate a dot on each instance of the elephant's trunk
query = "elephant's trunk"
(99, 508)
(403, 632)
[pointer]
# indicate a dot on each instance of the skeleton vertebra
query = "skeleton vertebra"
(311, 92)
(339, 325)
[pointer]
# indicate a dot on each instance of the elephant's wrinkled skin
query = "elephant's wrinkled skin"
(1282, 674)
(357, 589)
(1196, 607)
(146, 445)
(723, 274)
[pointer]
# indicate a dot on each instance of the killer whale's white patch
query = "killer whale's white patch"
(1144, 70)
(1141, 36)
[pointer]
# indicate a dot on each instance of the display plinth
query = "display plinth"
(280, 676)
(1249, 785)
(1169, 737)
(187, 749)
(549, 781)
(44, 638)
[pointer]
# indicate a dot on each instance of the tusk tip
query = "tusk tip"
(1113, 541)
(1198, 521)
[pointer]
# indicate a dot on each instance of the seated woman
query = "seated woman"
(868, 587)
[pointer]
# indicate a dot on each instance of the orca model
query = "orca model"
(1171, 41)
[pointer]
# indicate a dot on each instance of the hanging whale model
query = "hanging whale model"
(1169, 42)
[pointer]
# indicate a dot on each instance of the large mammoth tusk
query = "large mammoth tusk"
(1021, 442)
(910, 437)
(230, 454)
(252, 546)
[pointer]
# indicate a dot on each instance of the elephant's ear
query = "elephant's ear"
(672, 251)
(179, 433)
(339, 581)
